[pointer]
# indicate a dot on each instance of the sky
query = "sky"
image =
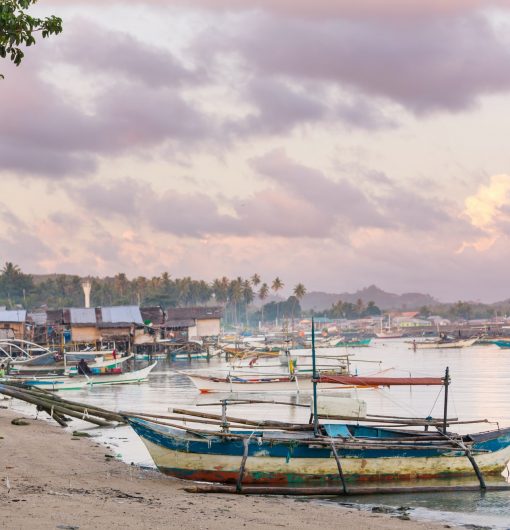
(337, 143)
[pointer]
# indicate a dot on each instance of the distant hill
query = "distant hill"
(320, 301)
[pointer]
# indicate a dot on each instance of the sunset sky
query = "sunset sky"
(339, 143)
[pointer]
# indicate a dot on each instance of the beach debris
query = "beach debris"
(58, 408)
(20, 421)
(382, 509)
(81, 434)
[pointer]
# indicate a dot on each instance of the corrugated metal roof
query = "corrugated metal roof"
(129, 314)
(39, 319)
(19, 315)
(197, 313)
(82, 315)
(180, 323)
(155, 315)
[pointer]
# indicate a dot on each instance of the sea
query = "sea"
(480, 389)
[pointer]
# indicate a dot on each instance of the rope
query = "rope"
(434, 405)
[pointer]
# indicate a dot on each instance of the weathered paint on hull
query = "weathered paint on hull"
(444, 345)
(80, 383)
(318, 471)
(206, 386)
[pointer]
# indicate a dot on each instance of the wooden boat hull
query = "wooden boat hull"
(79, 382)
(362, 343)
(213, 459)
(505, 344)
(444, 345)
(304, 385)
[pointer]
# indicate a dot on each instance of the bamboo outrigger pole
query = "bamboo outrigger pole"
(314, 380)
(446, 383)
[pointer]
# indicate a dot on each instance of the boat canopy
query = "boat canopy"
(380, 381)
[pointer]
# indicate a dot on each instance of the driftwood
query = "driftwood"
(57, 407)
(243, 421)
(335, 491)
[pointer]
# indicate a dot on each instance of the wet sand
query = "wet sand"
(50, 479)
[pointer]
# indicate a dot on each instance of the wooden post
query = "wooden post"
(224, 424)
(478, 472)
(446, 383)
(239, 485)
(314, 379)
(339, 465)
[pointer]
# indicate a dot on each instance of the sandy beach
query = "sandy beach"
(50, 479)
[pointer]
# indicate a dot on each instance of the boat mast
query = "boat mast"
(314, 380)
(446, 383)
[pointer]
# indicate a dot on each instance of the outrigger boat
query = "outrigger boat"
(326, 457)
(502, 343)
(351, 343)
(441, 345)
(23, 354)
(79, 382)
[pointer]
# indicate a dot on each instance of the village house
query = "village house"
(193, 322)
(12, 323)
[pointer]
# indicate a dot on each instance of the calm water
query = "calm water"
(480, 389)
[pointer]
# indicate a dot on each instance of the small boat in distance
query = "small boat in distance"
(80, 382)
(388, 332)
(442, 344)
(349, 343)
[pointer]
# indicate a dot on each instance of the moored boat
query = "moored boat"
(297, 382)
(504, 344)
(435, 345)
(279, 455)
(299, 458)
(352, 343)
(80, 382)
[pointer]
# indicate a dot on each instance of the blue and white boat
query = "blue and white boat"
(300, 458)
(278, 454)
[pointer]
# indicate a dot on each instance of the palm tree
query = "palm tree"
(263, 294)
(255, 280)
(276, 286)
(247, 297)
(236, 294)
(360, 306)
(299, 292)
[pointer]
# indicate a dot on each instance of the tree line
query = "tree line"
(238, 296)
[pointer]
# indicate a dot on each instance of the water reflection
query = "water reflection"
(480, 389)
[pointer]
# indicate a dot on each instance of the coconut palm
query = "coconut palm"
(236, 294)
(299, 292)
(276, 286)
(255, 280)
(248, 296)
(263, 294)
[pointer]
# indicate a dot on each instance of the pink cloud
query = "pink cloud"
(340, 8)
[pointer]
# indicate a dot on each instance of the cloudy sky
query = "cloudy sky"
(336, 142)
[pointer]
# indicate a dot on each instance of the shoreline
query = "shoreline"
(62, 481)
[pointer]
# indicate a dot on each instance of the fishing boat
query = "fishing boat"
(54, 363)
(79, 382)
(389, 332)
(298, 382)
(505, 344)
(150, 356)
(277, 455)
(358, 453)
(442, 344)
(22, 354)
(350, 343)
(190, 355)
